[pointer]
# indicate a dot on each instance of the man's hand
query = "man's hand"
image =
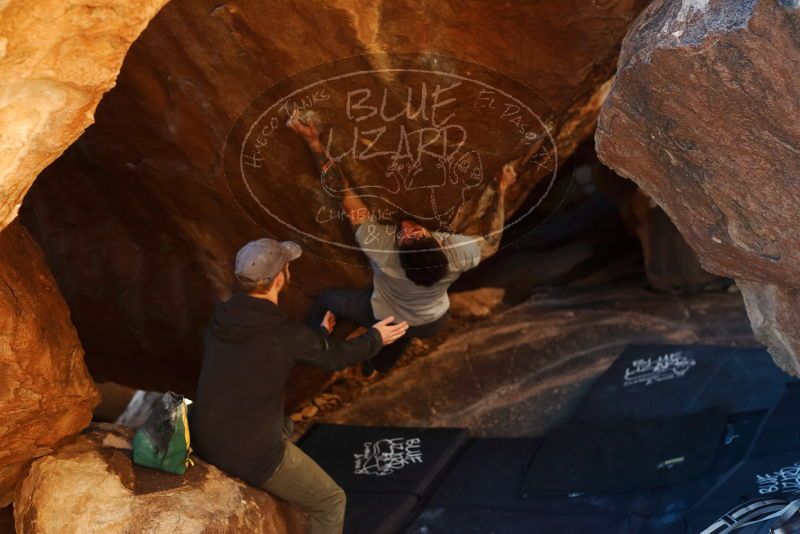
(506, 178)
(328, 322)
(390, 332)
(307, 129)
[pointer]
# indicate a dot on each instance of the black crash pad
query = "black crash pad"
(667, 380)
(625, 455)
(781, 431)
(776, 476)
(490, 472)
(383, 459)
(371, 513)
(674, 501)
(771, 469)
(492, 521)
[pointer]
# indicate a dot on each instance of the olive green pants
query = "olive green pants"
(299, 480)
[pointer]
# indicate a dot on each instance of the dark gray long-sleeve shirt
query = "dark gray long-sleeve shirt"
(249, 348)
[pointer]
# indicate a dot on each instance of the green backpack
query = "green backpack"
(162, 442)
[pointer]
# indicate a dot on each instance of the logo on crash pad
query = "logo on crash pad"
(784, 480)
(650, 371)
(416, 136)
(386, 456)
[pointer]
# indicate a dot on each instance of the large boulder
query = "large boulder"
(57, 59)
(55, 69)
(91, 485)
(46, 393)
(703, 117)
(141, 222)
(774, 311)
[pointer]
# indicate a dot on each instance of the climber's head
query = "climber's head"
(410, 230)
(421, 255)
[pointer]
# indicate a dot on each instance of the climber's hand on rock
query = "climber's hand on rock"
(328, 322)
(306, 128)
(390, 332)
(507, 177)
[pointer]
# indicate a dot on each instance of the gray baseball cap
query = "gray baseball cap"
(262, 259)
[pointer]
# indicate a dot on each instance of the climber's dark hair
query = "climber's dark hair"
(423, 261)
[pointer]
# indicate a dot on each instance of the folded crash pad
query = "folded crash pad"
(383, 459)
(770, 470)
(668, 380)
(776, 476)
(484, 521)
(781, 431)
(490, 474)
(375, 513)
(675, 500)
(625, 455)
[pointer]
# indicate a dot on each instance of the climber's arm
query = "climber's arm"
(490, 241)
(493, 219)
(357, 211)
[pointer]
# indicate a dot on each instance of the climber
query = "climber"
(412, 266)
(237, 421)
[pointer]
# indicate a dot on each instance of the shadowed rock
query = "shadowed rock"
(703, 117)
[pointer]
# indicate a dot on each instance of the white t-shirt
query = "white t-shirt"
(393, 293)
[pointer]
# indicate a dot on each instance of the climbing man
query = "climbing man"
(412, 266)
(237, 420)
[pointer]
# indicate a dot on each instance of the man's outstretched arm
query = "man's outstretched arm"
(357, 211)
(318, 349)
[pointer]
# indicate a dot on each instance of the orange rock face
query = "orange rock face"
(46, 393)
(91, 485)
(56, 62)
(57, 59)
(142, 217)
(703, 117)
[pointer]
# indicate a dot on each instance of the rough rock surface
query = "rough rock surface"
(520, 371)
(141, 201)
(775, 315)
(56, 62)
(46, 393)
(91, 485)
(703, 117)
